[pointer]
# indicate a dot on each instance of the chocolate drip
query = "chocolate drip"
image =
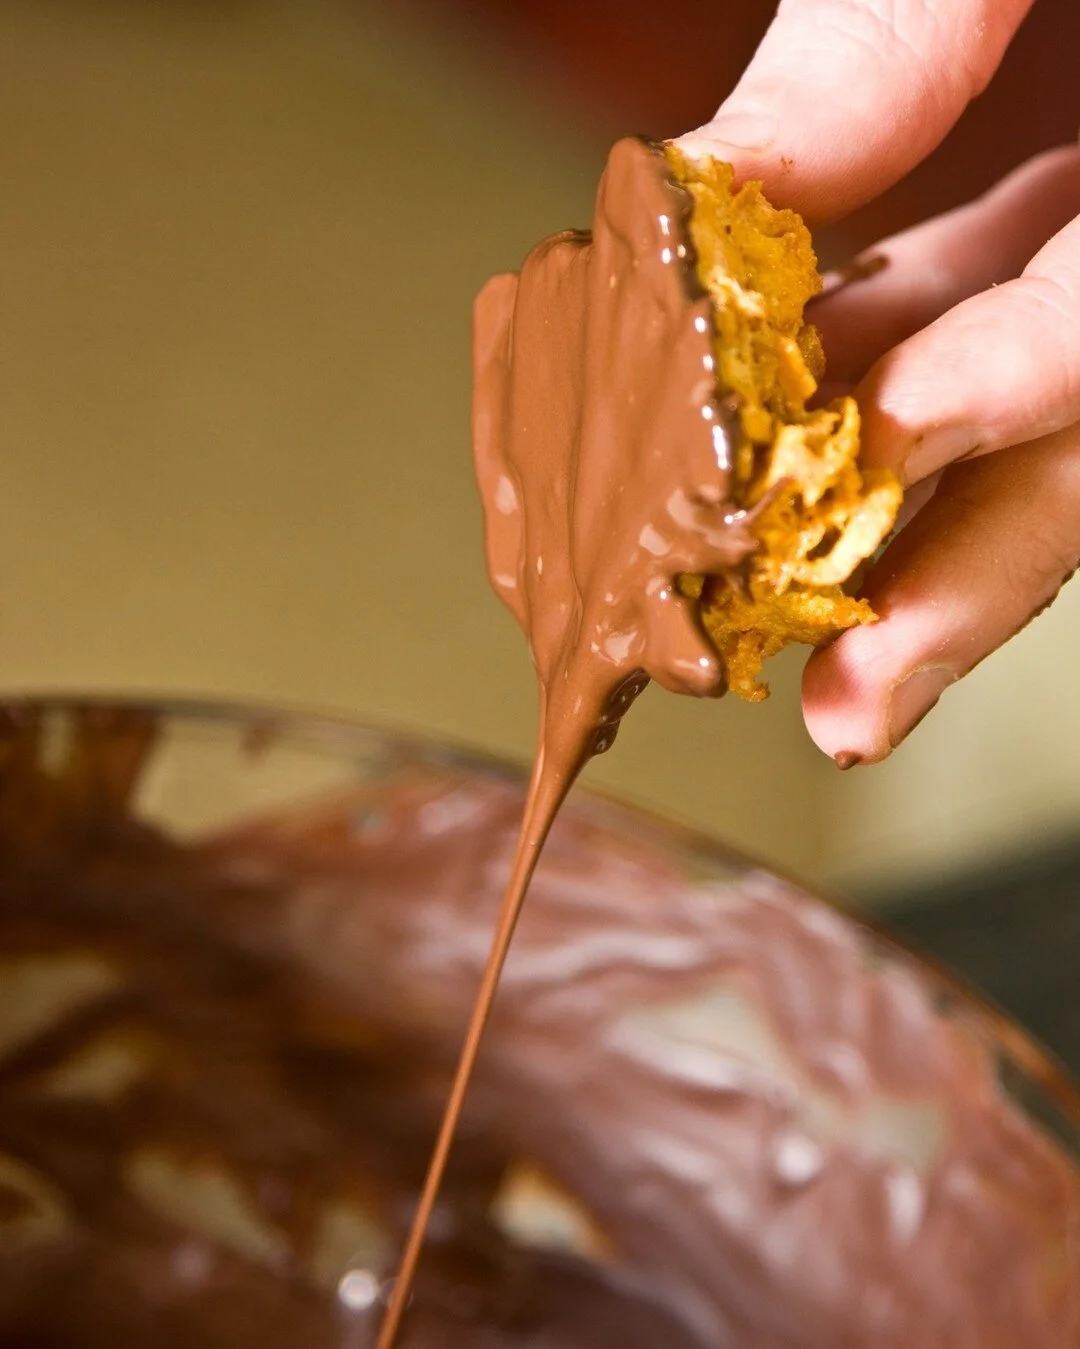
(604, 460)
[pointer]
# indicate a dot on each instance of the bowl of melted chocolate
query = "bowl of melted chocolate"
(237, 954)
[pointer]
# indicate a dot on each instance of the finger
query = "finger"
(843, 97)
(999, 369)
(927, 270)
(987, 553)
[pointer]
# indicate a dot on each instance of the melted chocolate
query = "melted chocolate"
(602, 452)
(203, 1141)
(604, 459)
(774, 1133)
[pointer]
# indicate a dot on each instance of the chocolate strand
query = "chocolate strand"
(547, 789)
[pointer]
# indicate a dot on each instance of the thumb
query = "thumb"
(843, 97)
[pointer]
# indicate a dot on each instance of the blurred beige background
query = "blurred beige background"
(238, 245)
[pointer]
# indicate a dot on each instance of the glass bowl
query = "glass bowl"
(237, 952)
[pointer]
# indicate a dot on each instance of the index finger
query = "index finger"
(843, 97)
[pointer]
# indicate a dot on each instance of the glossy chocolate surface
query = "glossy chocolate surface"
(710, 1111)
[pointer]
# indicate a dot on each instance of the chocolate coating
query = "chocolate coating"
(602, 452)
(603, 458)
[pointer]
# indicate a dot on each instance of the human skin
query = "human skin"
(963, 352)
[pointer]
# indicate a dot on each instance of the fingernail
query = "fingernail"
(937, 447)
(847, 758)
(916, 696)
(743, 130)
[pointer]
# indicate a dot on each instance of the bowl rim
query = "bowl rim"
(266, 717)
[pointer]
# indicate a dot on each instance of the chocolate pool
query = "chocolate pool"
(237, 953)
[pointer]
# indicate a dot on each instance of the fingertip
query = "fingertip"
(905, 80)
(865, 693)
(845, 700)
(1001, 368)
(986, 554)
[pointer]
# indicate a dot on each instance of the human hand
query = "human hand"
(963, 352)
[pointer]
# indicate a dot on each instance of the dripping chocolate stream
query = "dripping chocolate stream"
(547, 790)
(559, 759)
(603, 456)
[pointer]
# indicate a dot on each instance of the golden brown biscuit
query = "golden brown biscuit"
(819, 516)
